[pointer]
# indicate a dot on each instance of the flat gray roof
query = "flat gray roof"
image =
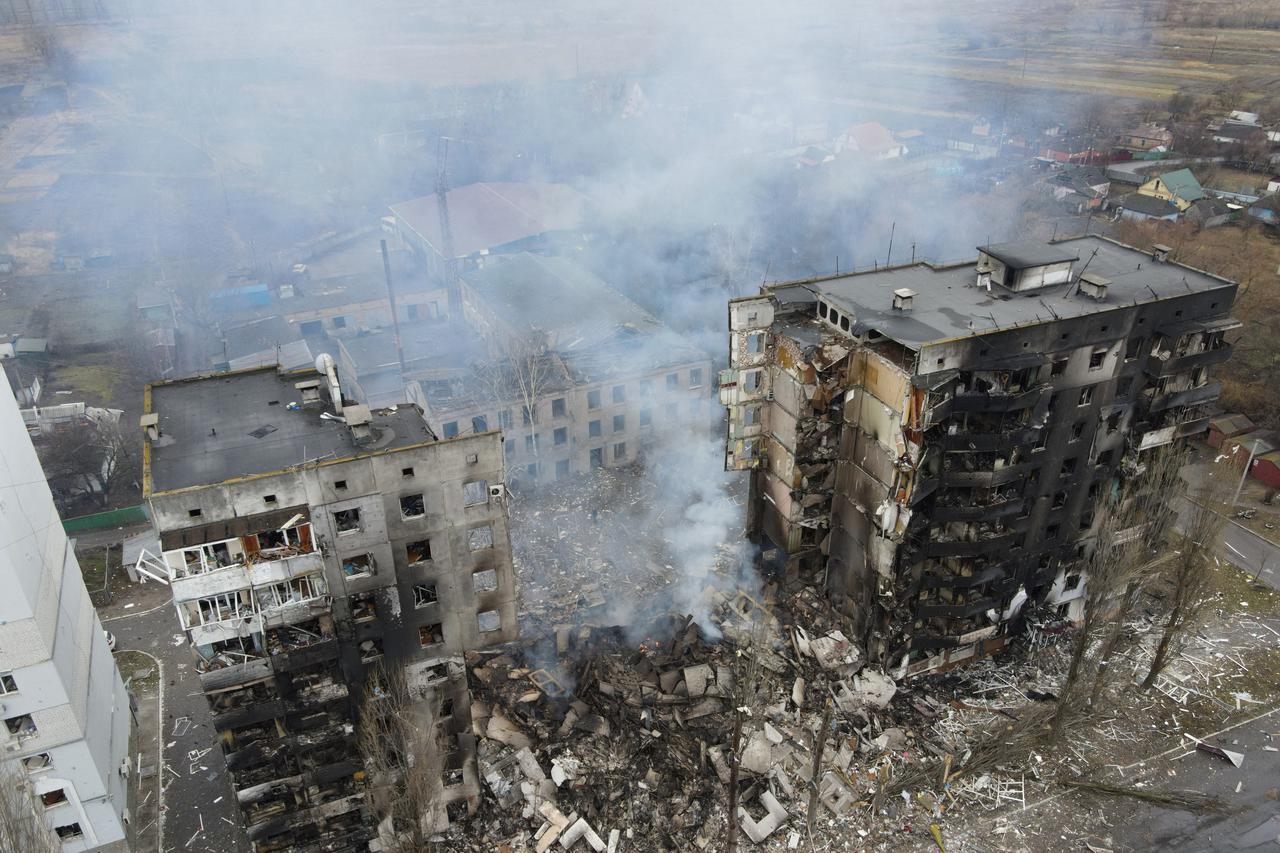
(1029, 253)
(221, 427)
(949, 305)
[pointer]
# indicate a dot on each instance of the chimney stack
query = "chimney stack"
(1160, 252)
(902, 299)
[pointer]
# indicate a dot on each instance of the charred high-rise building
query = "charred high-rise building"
(309, 542)
(931, 442)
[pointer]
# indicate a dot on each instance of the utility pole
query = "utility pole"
(391, 297)
(1244, 476)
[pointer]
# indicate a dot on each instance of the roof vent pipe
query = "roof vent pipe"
(1160, 252)
(902, 299)
(326, 365)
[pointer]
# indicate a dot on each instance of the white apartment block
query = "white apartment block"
(65, 710)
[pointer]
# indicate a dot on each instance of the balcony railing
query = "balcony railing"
(1189, 397)
(968, 548)
(986, 479)
(997, 401)
(969, 511)
(1171, 364)
(955, 611)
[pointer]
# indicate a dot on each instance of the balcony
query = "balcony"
(1189, 397)
(964, 548)
(955, 611)
(260, 572)
(969, 511)
(997, 401)
(1000, 442)
(1158, 367)
(946, 580)
(986, 479)
(218, 675)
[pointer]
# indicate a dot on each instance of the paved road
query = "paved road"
(200, 810)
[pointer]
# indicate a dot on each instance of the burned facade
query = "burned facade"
(930, 443)
(310, 543)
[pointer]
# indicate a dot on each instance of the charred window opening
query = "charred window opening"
(593, 399)
(594, 429)
(431, 634)
(1113, 422)
(475, 492)
(347, 521)
(485, 580)
(68, 831)
(480, 538)
(194, 513)
(1097, 358)
(1086, 521)
(419, 552)
(1051, 532)
(8, 684)
(597, 457)
(559, 408)
(446, 708)
(1077, 431)
(413, 506)
(424, 594)
(1059, 500)
(1133, 348)
(1072, 582)
(371, 649)
(357, 565)
(37, 763)
(488, 621)
(1064, 610)
(751, 380)
(269, 499)
(1059, 367)
(21, 725)
(340, 485)
(1086, 395)
(364, 606)
(1105, 457)
(1045, 560)
(1068, 467)
(620, 451)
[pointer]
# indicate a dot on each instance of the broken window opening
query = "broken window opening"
(558, 407)
(347, 520)
(755, 343)
(1097, 358)
(424, 594)
(364, 606)
(21, 726)
(597, 457)
(485, 580)
(695, 377)
(488, 621)
(1072, 582)
(371, 649)
(561, 436)
(1086, 395)
(430, 635)
(413, 506)
(594, 429)
(68, 831)
(504, 418)
(619, 451)
(1059, 367)
(475, 492)
(480, 538)
(751, 380)
(7, 683)
(619, 423)
(419, 552)
(38, 763)
(593, 399)
(357, 565)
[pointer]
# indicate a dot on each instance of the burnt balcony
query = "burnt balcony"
(248, 715)
(948, 509)
(966, 548)
(998, 401)
(947, 580)
(1189, 397)
(995, 442)
(228, 670)
(945, 610)
(1158, 367)
(986, 479)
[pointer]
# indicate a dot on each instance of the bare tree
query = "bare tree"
(1187, 576)
(22, 825)
(1127, 530)
(1160, 481)
(95, 459)
(522, 371)
(402, 752)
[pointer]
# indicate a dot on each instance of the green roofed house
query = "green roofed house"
(1179, 188)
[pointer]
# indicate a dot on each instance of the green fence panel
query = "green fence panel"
(106, 520)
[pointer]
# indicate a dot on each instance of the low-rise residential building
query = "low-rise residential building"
(311, 544)
(1180, 188)
(1139, 207)
(930, 443)
(1148, 137)
(581, 377)
(67, 719)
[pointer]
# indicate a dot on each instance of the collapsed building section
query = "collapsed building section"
(930, 443)
(310, 544)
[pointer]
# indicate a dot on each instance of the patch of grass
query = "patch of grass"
(129, 662)
(93, 567)
(1242, 595)
(93, 383)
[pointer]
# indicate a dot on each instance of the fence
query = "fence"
(106, 520)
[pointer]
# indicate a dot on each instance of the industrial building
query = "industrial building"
(572, 390)
(66, 712)
(310, 543)
(930, 442)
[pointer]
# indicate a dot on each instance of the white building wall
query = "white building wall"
(53, 645)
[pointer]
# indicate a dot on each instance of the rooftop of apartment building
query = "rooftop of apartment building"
(230, 425)
(945, 301)
(486, 216)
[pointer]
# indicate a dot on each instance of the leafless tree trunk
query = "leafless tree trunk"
(22, 826)
(521, 372)
(401, 747)
(1127, 527)
(1187, 576)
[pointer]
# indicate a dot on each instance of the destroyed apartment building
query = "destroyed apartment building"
(311, 543)
(573, 390)
(931, 443)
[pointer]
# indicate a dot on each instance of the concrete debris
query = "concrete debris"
(581, 830)
(775, 816)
